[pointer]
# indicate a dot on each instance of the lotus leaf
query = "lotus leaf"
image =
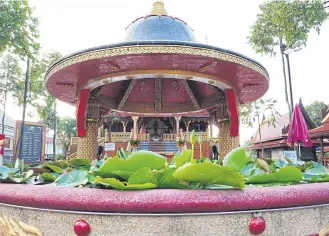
(114, 183)
(183, 158)
(280, 163)
(80, 162)
(49, 177)
(61, 164)
(21, 178)
(236, 159)
(165, 179)
(209, 173)
(247, 170)
(218, 187)
(54, 168)
(125, 168)
(319, 170)
(286, 174)
(4, 171)
(73, 178)
(142, 176)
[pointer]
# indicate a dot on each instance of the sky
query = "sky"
(68, 26)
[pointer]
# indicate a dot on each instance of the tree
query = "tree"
(18, 27)
(259, 112)
(10, 74)
(314, 111)
(288, 22)
(66, 130)
(38, 96)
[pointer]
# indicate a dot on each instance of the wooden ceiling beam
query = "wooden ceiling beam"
(125, 91)
(192, 92)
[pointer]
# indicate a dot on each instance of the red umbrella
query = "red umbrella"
(298, 131)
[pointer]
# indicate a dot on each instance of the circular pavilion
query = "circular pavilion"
(159, 70)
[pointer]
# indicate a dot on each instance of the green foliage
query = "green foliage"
(126, 167)
(49, 177)
(286, 174)
(10, 77)
(114, 183)
(20, 178)
(73, 178)
(183, 158)
(52, 167)
(314, 111)
(209, 173)
(165, 179)
(5, 171)
(285, 21)
(66, 129)
(236, 159)
(79, 162)
(18, 28)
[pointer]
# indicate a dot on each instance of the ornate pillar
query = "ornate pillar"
(106, 135)
(177, 118)
(210, 128)
(135, 134)
(227, 119)
(87, 146)
(226, 142)
(88, 143)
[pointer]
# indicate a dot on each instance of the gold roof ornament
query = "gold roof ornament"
(158, 8)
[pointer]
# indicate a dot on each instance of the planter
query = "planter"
(288, 210)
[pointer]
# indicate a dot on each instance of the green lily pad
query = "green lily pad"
(73, 178)
(247, 170)
(165, 179)
(142, 176)
(209, 173)
(280, 163)
(49, 177)
(219, 187)
(286, 174)
(183, 158)
(236, 159)
(4, 171)
(126, 167)
(114, 183)
(54, 168)
(21, 178)
(80, 162)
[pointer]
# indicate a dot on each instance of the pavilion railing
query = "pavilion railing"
(125, 137)
(169, 137)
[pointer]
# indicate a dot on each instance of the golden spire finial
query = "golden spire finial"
(158, 8)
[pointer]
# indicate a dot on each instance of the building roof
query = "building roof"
(280, 130)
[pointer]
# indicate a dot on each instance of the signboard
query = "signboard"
(292, 155)
(32, 140)
(109, 147)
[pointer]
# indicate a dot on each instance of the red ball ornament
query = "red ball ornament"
(257, 225)
(81, 228)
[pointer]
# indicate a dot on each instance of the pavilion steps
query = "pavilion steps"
(160, 146)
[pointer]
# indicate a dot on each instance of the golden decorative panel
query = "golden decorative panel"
(226, 142)
(87, 146)
(10, 227)
(120, 136)
(154, 49)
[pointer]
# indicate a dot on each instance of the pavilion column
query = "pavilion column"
(87, 145)
(106, 135)
(210, 128)
(110, 130)
(125, 123)
(177, 118)
(322, 149)
(135, 119)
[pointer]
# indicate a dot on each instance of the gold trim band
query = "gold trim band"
(154, 49)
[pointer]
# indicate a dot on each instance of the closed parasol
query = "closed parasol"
(298, 131)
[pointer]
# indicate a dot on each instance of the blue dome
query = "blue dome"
(158, 26)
